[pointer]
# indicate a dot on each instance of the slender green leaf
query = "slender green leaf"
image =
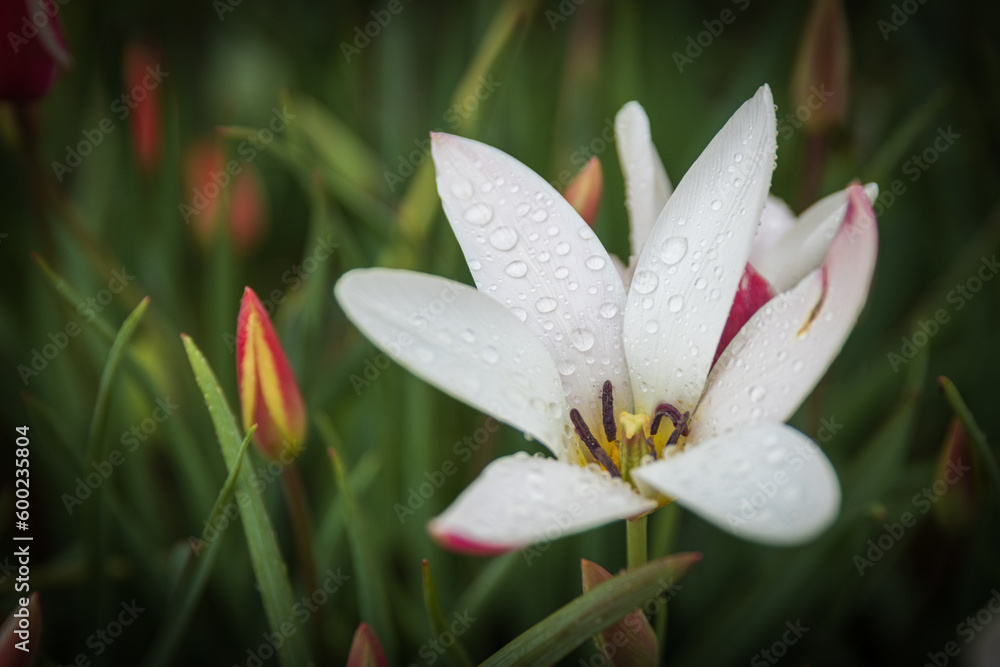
(265, 556)
(556, 636)
(439, 624)
(372, 598)
(196, 573)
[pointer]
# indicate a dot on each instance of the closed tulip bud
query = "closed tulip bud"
(145, 119)
(248, 212)
(205, 176)
(584, 191)
(269, 394)
(820, 87)
(956, 468)
(366, 651)
(35, 48)
(631, 642)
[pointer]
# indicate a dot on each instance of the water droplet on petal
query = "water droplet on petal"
(595, 262)
(469, 336)
(797, 365)
(539, 215)
(645, 282)
(583, 339)
(561, 272)
(562, 248)
(716, 204)
(757, 393)
(479, 214)
(608, 310)
(516, 269)
(503, 238)
(675, 303)
(490, 355)
(673, 249)
(566, 367)
(546, 304)
(652, 326)
(520, 313)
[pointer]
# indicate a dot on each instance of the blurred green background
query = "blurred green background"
(550, 77)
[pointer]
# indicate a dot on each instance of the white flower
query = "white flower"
(554, 345)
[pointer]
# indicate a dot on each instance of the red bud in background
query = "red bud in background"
(35, 46)
(366, 650)
(584, 191)
(145, 120)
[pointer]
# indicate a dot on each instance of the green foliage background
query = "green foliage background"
(357, 119)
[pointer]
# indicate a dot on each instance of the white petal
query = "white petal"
(776, 220)
(647, 187)
(767, 483)
(532, 252)
(782, 352)
(692, 264)
(520, 500)
(803, 248)
(462, 342)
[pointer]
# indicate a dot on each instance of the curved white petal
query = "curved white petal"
(803, 248)
(767, 483)
(464, 343)
(520, 500)
(776, 220)
(689, 271)
(532, 252)
(783, 351)
(647, 187)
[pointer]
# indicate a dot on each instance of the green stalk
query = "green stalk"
(635, 540)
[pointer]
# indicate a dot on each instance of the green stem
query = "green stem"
(635, 532)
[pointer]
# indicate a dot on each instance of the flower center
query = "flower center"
(619, 450)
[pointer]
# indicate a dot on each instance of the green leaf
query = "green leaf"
(556, 636)
(71, 296)
(371, 593)
(439, 624)
(196, 574)
(265, 556)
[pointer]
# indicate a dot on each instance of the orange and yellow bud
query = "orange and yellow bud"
(631, 642)
(584, 191)
(269, 394)
(366, 651)
(955, 475)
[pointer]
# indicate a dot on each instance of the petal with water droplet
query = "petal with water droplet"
(788, 344)
(515, 249)
(662, 367)
(647, 187)
(767, 483)
(493, 362)
(520, 500)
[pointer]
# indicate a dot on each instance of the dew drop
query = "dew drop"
(583, 339)
(608, 310)
(475, 265)
(516, 269)
(562, 248)
(523, 208)
(561, 272)
(644, 282)
(520, 313)
(757, 393)
(469, 336)
(539, 215)
(652, 326)
(675, 303)
(716, 204)
(700, 283)
(503, 238)
(797, 365)
(595, 262)
(673, 249)
(546, 304)
(479, 214)
(566, 367)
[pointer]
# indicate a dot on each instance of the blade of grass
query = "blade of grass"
(575, 623)
(371, 593)
(196, 573)
(265, 556)
(93, 511)
(439, 624)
